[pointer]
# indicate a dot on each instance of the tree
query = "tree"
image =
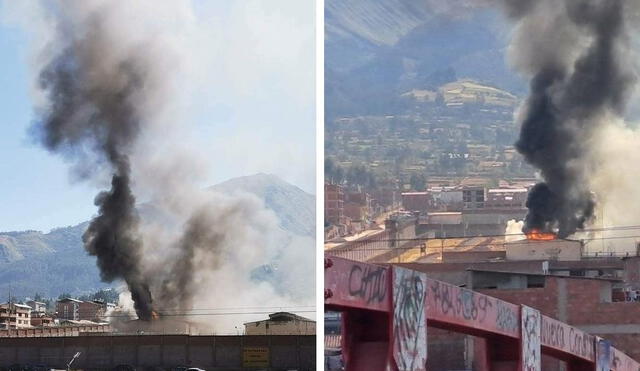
(329, 167)
(418, 182)
(107, 295)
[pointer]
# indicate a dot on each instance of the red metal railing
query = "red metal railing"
(386, 311)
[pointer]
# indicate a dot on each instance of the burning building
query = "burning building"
(577, 83)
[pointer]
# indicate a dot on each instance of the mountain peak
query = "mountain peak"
(294, 207)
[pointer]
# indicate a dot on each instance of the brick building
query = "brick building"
(417, 201)
(68, 308)
(333, 204)
(594, 305)
(357, 206)
(92, 310)
(595, 295)
(42, 320)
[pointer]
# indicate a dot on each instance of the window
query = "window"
(535, 281)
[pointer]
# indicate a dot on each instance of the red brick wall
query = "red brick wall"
(583, 307)
(543, 299)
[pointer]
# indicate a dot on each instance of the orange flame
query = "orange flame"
(536, 234)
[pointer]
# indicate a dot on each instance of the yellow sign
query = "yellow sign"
(255, 357)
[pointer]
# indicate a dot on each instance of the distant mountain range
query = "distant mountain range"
(56, 262)
(375, 50)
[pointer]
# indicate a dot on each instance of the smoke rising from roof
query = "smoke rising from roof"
(112, 78)
(576, 53)
(93, 95)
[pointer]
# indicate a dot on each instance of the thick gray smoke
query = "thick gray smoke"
(114, 82)
(92, 114)
(202, 235)
(576, 54)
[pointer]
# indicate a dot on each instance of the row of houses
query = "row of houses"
(69, 311)
(350, 210)
(458, 198)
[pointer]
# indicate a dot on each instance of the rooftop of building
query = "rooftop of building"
(282, 317)
(65, 300)
(507, 190)
(82, 322)
(516, 273)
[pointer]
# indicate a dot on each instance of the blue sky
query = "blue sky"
(250, 117)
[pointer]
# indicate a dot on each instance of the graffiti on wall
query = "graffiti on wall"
(531, 324)
(354, 284)
(558, 335)
(409, 319)
(450, 303)
(506, 317)
(368, 282)
(459, 302)
(621, 361)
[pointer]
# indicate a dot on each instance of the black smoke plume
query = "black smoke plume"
(200, 245)
(92, 118)
(575, 52)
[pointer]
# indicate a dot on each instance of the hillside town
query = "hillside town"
(67, 312)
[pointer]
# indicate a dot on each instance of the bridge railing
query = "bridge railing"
(389, 307)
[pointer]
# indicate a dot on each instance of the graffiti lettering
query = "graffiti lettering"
(460, 302)
(409, 324)
(531, 353)
(561, 336)
(506, 319)
(580, 343)
(553, 334)
(369, 283)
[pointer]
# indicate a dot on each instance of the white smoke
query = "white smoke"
(615, 175)
(513, 232)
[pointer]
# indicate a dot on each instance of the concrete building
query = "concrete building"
(37, 307)
(68, 308)
(559, 249)
(15, 316)
(507, 198)
(473, 198)
(446, 198)
(400, 227)
(469, 222)
(281, 323)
